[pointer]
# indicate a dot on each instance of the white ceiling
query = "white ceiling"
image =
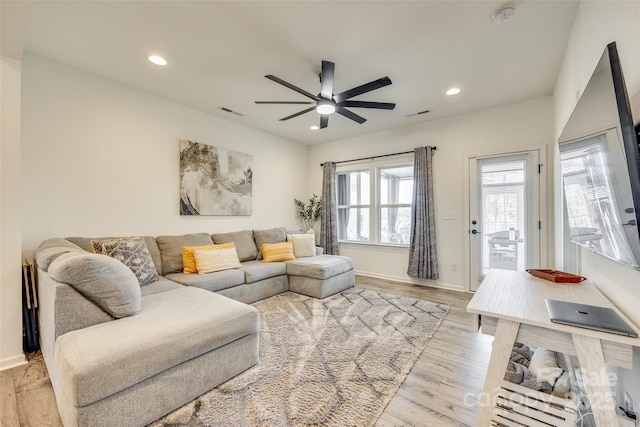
(219, 52)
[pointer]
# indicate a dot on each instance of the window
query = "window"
(375, 210)
(354, 205)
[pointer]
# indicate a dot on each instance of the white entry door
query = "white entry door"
(504, 213)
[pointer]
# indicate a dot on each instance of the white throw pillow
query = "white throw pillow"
(217, 259)
(304, 245)
(544, 365)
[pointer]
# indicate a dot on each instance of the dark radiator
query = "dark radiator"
(30, 335)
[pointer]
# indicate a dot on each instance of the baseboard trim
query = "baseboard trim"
(12, 362)
(411, 280)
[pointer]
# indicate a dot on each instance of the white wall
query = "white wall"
(10, 222)
(505, 128)
(100, 159)
(596, 25)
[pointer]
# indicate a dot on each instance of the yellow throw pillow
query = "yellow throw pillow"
(188, 259)
(216, 259)
(273, 252)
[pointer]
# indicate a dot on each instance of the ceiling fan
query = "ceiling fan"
(326, 102)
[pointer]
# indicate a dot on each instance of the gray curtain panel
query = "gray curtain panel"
(329, 222)
(423, 258)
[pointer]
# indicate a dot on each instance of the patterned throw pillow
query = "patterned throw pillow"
(188, 259)
(132, 252)
(274, 252)
(304, 245)
(216, 259)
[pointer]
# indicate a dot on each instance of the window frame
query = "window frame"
(380, 205)
(375, 206)
(356, 206)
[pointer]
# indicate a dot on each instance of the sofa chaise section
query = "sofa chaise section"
(320, 276)
(108, 372)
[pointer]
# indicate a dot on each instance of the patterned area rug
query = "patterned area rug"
(332, 362)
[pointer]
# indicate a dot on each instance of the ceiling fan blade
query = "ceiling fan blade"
(367, 104)
(324, 121)
(326, 79)
(285, 102)
(298, 113)
(350, 115)
(292, 87)
(367, 87)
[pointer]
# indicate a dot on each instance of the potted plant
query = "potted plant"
(310, 213)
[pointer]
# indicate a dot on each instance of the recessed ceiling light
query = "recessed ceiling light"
(453, 91)
(314, 127)
(158, 60)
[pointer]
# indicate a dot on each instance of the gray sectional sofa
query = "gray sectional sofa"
(123, 354)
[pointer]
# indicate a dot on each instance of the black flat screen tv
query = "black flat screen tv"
(600, 164)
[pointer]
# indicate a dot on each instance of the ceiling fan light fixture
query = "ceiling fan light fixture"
(314, 127)
(326, 102)
(326, 107)
(453, 91)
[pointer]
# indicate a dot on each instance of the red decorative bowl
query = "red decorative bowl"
(556, 276)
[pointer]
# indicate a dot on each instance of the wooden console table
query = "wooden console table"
(510, 306)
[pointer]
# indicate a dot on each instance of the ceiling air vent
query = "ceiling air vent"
(419, 113)
(228, 110)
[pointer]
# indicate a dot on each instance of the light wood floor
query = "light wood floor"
(439, 390)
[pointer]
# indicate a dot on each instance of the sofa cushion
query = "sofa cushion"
(245, 245)
(254, 271)
(51, 249)
(320, 267)
(213, 282)
(161, 285)
(150, 241)
(132, 252)
(275, 252)
(216, 259)
(272, 235)
(189, 261)
(304, 245)
(105, 281)
(172, 328)
(171, 249)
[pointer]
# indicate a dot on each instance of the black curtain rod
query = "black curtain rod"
(377, 157)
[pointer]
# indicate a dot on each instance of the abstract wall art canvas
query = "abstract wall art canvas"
(214, 181)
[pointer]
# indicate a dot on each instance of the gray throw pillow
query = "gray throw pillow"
(272, 235)
(132, 252)
(51, 249)
(246, 247)
(171, 249)
(105, 281)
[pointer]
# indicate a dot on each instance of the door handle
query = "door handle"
(475, 232)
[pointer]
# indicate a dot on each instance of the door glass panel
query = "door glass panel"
(503, 215)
